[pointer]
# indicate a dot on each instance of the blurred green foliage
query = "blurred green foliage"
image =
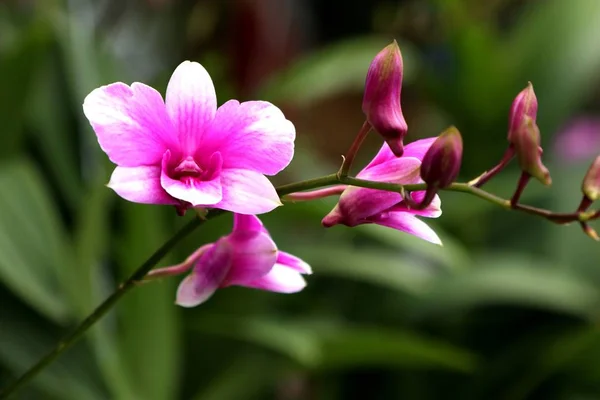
(507, 309)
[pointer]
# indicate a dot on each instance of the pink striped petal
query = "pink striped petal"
(207, 276)
(254, 135)
(251, 223)
(293, 263)
(402, 170)
(280, 279)
(195, 191)
(416, 149)
(131, 123)
(408, 223)
(140, 185)
(247, 192)
(191, 103)
(254, 254)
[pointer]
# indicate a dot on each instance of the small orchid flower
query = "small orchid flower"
(371, 206)
(186, 152)
(246, 257)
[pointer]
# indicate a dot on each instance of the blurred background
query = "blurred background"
(507, 309)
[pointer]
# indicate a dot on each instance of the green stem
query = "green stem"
(103, 308)
(333, 179)
(353, 151)
(308, 184)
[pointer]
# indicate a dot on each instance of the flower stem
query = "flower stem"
(328, 180)
(351, 154)
(314, 194)
(508, 155)
(103, 308)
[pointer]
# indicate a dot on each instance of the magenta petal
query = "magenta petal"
(247, 192)
(254, 135)
(433, 210)
(131, 123)
(254, 254)
(280, 279)
(207, 276)
(402, 170)
(191, 103)
(408, 223)
(357, 204)
(416, 149)
(140, 185)
(251, 223)
(195, 191)
(293, 262)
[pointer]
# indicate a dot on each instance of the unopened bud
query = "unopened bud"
(524, 105)
(591, 182)
(381, 100)
(441, 163)
(526, 141)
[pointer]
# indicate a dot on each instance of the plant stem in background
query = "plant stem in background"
(103, 308)
(351, 154)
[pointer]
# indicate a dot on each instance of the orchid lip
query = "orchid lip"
(187, 167)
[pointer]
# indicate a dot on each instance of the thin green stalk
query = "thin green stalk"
(309, 184)
(103, 308)
(353, 151)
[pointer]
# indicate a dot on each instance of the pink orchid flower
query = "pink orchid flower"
(246, 257)
(186, 152)
(371, 206)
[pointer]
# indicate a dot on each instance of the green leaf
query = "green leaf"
(22, 342)
(330, 346)
(50, 132)
(17, 71)
(32, 243)
(149, 339)
(245, 377)
(502, 279)
(380, 267)
(338, 68)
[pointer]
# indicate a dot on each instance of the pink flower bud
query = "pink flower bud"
(591, 182)
(441, 163)
(526, 142)
(381, 101)
(524, 105)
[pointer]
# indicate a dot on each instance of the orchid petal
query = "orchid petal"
(254, 254)
(247, 192)
(357, 204)
(416, 149)
(402, 170)
(408, 223)
(191, 103)
(131, 123)
(433, 210)
(293, 262)
(207, 276)
(254, 135)
(251, 223)
(140, 185)
(193, 190)
(280, 279)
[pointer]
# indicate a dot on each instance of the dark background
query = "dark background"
(507, 309)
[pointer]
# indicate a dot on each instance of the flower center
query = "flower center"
(187, 170)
